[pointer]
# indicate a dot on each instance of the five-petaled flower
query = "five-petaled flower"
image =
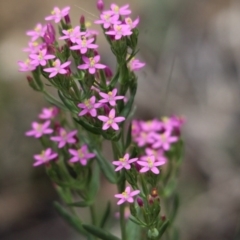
(39, 31)
(41, 57)
(119, 11)
(39, 129)
(110, 97)
(111, 120)
(107, 20)
(57, 68)
(64, 137)
(130, 23)
(58, 14)
(84, 44)
(81, 155)
(91, 64)
(45, 156)
(127, 196)
(124, 162)
(119, 30)
(26, 66)
(73, 34)
(149, 163)
(164, 140)
(89, 106)
(48, 113)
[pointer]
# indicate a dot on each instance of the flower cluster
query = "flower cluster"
(49, 125)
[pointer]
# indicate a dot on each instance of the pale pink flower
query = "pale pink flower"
(164, 140)
(39, 129)
(151, 125)
(37, 32)
(57, 68)
(64, 137)
(157, 153)
(58, 14)
(119, 31)
(41, 57)
(89, 106)
(111, 120)
(126, 196)
(73, 34)
(107, 20)
(45, 156)
(119, 11)
(84, 44)
(124, 162)
(48, 113)
(135, 64)
(132, 24)
(26, 66)
(144, 138)
(34, 47)
(149, 163)
(91, 64)
(110, 97)
(81, 155)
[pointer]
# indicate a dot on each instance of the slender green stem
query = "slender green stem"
(93, 215)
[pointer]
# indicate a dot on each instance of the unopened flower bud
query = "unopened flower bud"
(153, 233)
(163, 217)
(100, 5)
(82, 23)
(29, 78)
(140, 202)
(154, 193)
(108, 72)
(50, 35)
(67, 19)
(32, 83)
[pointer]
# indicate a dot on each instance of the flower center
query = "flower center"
(124, 194)
(106, 17)
(39, 128)
(35, 44)
(150, 162)
(80, 153)
(70, 30)
(164, 138)
(118, 28)
(40, 56)
(116, 9)
(27, 61)
(92, 62)
(129, 21)
(110, 121)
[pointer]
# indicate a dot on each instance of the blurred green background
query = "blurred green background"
(195, 42)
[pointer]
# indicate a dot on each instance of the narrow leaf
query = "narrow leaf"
(106, 215)
(98, 232)
(94, 183)
(133, 231)
(54, 101)
(88, 127)
(80, 204)
(163, 228)
(129, 136)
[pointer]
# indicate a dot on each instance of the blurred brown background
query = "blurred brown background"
(195, 42)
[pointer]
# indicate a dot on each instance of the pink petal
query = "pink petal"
(103, 118)
(115, 126)
(92, 70)
(83, 66)
(105, 126)
(155, 170)
(119, 119)
(121, 201)
(144, 169)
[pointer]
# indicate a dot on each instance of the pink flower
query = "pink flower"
(158, 154)
(124, 162)
(38, 31)
(89, 106)
(41, 57)
(107, 20)
(81, 155)
(44, 157)
(127, 196)
(39, 129)
(130, 23)
(64, 137)
(117, 11)
(91, 64)
(58, 14)
(100, 5)
(111, 120)
(48, 113)
(119, 31)
(135, 64)
(26, 66)
(83, 45)
(151, 125)
(73, 34)
(33, 47)
(149, 163)
(164, 140)
(144, 138)
(127, 213)
(57, 68)
(110, 97)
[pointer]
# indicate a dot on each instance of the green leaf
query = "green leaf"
(67, 103)
(94, 183)
(80, 204)
(128, 107)
(175, 207)
(106, 167)
(129, 136)
(114, 80)
(54, 101)
(98, 232)
(133, 231)
(89, 127)
(70, 219)
(170, 187)
(163, 228)
(105, 215)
